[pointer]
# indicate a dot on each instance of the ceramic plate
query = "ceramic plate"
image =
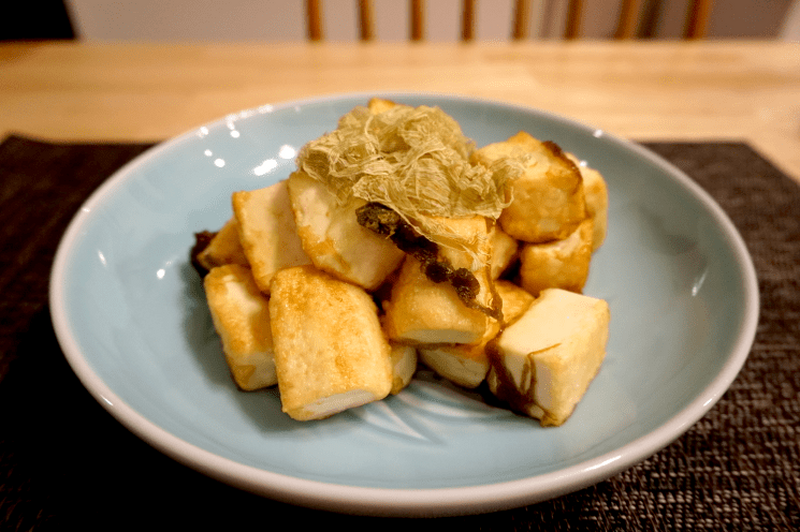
(131, 317)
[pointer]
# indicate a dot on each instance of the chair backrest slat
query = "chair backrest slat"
(417, 20)
(365, 20)
(572, 29)
(522, 13)
(468, 20)
(314, 20)
(628, 17)
(697, 19)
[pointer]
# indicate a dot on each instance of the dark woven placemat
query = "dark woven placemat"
(65, 461)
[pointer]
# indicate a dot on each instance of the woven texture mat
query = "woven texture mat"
(64, 460)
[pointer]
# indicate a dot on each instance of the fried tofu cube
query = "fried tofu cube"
(333, 239)
(423, 312)
(596, 192)
(560, 264)
(467, 365)
(330, 351)
(241, 317)
(548, 198)
(404, 365)
(478, 258)
(504, 251)
(379, 105)
(267, 232)
(224, 248)
(516, 300)
(546, 360)
(464, 365)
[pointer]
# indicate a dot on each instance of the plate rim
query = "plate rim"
(403, 501)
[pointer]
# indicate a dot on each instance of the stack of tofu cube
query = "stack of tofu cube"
(305, 298)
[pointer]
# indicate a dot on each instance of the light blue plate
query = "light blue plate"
(131, 317)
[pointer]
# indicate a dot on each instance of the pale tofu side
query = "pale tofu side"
(596, 192)
(464, 365)
(267, 231)
(420, 311)
(224, 248)
(241, 317)
(560, 264)
(544, 362)
(504, 250)
(548, 198)
(333, 239)
(404, 365)
(330, 351)
(467, 365)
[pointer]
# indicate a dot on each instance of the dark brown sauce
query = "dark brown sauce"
(506, 390)
(201, 242)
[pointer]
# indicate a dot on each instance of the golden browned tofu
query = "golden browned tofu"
(477, 258)
(330, 351)
(404, 365)
(560, 264)
(423, 312)
(425, 308)
(267, 232)
(504, 251)
(379, 105)
(426, 311)
(545, 361)
(516, 300)
(333, 239)
(467, 365)
(548, 198)
(241, 317)
(224, 248)
(596, 192)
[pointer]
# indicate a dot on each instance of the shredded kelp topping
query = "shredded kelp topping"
(414, 161)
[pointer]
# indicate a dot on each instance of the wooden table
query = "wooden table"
(745, 91)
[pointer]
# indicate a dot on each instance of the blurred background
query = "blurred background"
(284, 20)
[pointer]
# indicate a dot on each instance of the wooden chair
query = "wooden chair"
(697, 18)
(696, 25)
